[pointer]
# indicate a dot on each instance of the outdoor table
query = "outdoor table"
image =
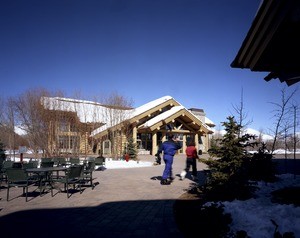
(43, 175)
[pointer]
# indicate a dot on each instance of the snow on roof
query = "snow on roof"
(208, 121)
(86, 111)
(139, 110)
(163, 116)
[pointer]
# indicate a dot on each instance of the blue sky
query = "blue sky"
(142, 49)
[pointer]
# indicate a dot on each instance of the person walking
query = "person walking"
(191, 160)
(169, 148)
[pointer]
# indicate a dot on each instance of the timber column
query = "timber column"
(154, 143)
(134, 134)
(197, 142)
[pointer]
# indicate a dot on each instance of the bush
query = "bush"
(261, 166)
(203, 221)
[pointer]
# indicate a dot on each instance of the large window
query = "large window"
(69, 143)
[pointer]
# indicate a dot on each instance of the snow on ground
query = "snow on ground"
(112, 164)
(254, 215)
(122, 164)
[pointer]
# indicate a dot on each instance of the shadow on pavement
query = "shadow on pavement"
(114, 219)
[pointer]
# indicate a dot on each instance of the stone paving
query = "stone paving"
(125, 202)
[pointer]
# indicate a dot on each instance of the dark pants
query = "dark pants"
(191, 162)
(168, 159)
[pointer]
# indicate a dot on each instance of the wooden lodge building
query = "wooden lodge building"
(106, 129)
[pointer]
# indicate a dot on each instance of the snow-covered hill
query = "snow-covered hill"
(265, 137)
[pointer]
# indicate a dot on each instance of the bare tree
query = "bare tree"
(280, 113)
(32, 117)
(285, 136)
(116, 115)
(241, 115)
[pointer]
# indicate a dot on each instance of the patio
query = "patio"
(128, 202)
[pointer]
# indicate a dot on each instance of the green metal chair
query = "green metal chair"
(18, 178)
(7, 164)
(100, 162)
(88, 172)
(74, 161)
(73, 176)
(55, 160)
(30, 165)
(62, 161)
(47, 164)
(46, 159)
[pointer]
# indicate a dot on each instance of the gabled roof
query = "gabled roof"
(153, 104)
(179, 113)
(272, 43)
(158, 112)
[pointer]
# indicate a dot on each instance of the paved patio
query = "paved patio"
(126, 202)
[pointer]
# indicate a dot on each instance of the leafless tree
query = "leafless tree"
(241, 115)
(116, 115)
(32, 117)
(285, 136)
(295, 111)
(280, 113)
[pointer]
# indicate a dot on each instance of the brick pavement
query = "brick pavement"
(126, 202)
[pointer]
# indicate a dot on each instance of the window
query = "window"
(63, 142)
(64, 126)
(68, 142)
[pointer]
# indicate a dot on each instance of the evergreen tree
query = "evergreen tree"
(131, 149)
(228, 174)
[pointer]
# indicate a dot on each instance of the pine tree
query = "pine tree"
(228, 174)
(131, 149)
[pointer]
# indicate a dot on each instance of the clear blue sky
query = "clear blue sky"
(142, 49)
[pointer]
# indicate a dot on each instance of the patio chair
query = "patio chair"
(1, 171)
(46, 177)
(88, 172)
(47, 164)
(46, 159)
(55, 160)
(18, 178)
(100, 162)
(7, 164)
(73, 176)
(74, 161)
(31, 165)
(62, 161)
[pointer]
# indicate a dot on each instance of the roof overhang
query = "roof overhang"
(180, 114)
(272, 43)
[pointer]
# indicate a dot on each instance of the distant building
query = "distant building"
(204, 140)
(104, 129)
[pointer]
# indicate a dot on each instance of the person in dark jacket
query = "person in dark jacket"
(191, 160)
(169, 149)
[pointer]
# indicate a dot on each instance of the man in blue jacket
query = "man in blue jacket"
(169, 148)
